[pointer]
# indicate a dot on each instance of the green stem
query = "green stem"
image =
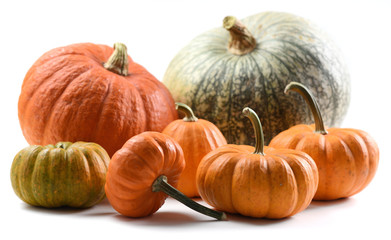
(118, 61)
(259, 139)
(63, 145)
(161, 185)
(241, 41)
(189, 114)
(313, 104)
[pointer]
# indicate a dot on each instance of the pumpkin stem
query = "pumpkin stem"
(161, 185)
(189, 114)
(259, 139)
(313, 104)
(63, 145)
(118, 61)
(241, 41)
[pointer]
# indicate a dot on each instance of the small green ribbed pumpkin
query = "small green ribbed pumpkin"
(249, 63)
(65, 174)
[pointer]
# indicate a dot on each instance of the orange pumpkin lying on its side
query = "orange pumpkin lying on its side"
(143, 172)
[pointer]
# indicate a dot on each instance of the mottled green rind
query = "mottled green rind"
(217, 84)
(66, 174)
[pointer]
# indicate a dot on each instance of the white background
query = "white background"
(154, 31)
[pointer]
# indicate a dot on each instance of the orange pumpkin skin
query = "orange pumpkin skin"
(134, 168)
(347, 159)
(68, 95)
(279, 184)
(197, 138)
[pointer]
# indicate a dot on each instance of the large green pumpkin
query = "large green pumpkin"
(248, 63)
(66, 174)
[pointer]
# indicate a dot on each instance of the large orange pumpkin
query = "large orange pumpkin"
(257, 182)
(143, 172)
(93, 93)
(197, 137)
(347, 158)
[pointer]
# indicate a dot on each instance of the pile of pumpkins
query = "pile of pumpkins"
(100, 125)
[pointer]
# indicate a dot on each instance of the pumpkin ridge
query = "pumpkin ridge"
(327, 147)
(291, 73)
(124, 182)
(306, 51)
(262, 77)
(231, 83)
(288, 68)
(220, 84)
(209, 135)
(102, 104)
(253, 25)
(42, 154)
(297, 59)
(236, 155)
(52, 58)
(292, 156)
(146, 120)
(329, 170)
(351, 157)
(233, 176)
(51, 199)
(43, 81)
(373, 156)
(167, 95)
(76, 154)
(73, 49)
(356, 187)
(163, 90)
(49, 118)
(200, 84)
(287, 168)
(269, 64)
(319, 65)
(90, 159)
(147, 163)
(180, 59)
(283, 21)
(268, 174)
(26, 194)
(152, 173)
(18, 183)
(262, 81)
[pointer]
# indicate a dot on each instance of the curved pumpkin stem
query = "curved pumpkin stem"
(241, 41)
(259, 139)
(161, 185)
(313, 104)
(118, 61)
(189, 114)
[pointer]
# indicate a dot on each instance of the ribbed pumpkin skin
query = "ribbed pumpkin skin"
(347, 159)
(279, 184)
(66, 174)
(134, 168)
(196, 139)
(67, 95)
(216, 84)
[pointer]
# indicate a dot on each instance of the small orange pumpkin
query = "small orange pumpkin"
(347, 158)
(143, 172)
(92, 93)
(257, 182)
(197, 137)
